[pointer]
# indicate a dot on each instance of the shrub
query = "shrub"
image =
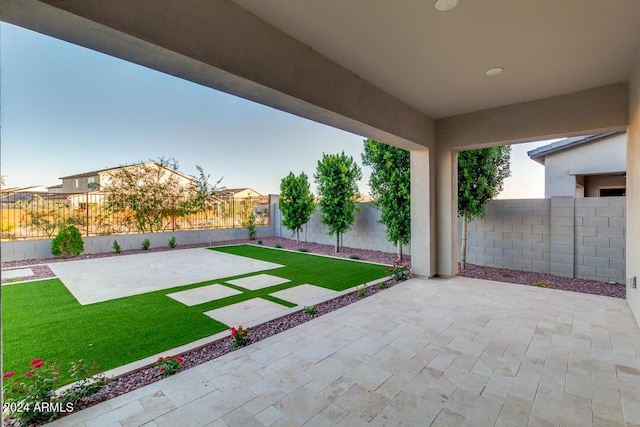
(239, 337)
(259, 242)
(278, 245)
(382, 285)
(146, 244)
(32, 397)
(168, 365)
(398, 271)
(361, 290)
(172, 242)
(311, 311)
(116, 247)
(544, 285)
(250, 224)
(68, 242)
(354, 256)
(302, 249)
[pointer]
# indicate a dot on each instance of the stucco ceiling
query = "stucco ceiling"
(436, 61)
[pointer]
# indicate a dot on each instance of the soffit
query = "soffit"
(436, 61)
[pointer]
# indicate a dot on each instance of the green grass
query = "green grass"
(42, 319)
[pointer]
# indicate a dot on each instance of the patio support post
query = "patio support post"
(447, 212)
(422, 238)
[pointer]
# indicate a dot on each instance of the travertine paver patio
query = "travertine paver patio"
(17, 273)
(247, 312)
(305, 294)
(203, 294)
(258, 281)
(102, 279)
(436, 352)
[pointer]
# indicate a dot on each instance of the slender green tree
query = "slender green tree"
(337, 178)
(296, 202)
(390, 187)
(481, 174)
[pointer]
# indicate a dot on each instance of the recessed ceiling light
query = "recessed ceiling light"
(494, 71)
(444, 5)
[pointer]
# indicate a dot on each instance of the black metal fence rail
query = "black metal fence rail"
(42, 215)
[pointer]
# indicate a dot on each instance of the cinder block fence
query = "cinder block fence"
(565, 236)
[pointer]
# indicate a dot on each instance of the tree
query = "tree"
(390, 187)
(336, 176)
(68, 242)
(481, 174)
(296, 202)
(149, 192)
(205, 200)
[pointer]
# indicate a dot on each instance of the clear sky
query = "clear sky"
(66, 110)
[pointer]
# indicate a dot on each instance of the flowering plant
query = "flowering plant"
(168, 365)
(399, 270)
(240, 336)
(32, 397)
(361, 290)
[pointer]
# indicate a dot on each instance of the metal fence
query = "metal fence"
(41, 215)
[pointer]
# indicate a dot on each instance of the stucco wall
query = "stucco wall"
(633, 193)
(565, 236)
(604, 156)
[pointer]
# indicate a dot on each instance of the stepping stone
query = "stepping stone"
(246, 312)
(203, 294)
(305, 294)
(258, 281)
(16, 274)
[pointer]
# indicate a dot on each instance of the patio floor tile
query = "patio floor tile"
(203, 294)
(245, 312)
(426, 352)
(305, 294)
(258, 281)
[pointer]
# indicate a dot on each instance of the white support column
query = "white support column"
(447, 212)
(422, 238)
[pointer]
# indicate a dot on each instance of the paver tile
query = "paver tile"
(203, 294)
(258, 281)
(245, 312)
(305, 294)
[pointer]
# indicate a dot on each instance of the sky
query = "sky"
(65, 109)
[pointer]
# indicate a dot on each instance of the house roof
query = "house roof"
(99, 171)
(540, 153)
(232, 191)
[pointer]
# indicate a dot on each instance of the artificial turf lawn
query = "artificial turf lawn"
(43, 320)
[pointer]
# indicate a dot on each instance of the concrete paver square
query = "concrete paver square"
(17, 273)
(305, 294)
(203, 294)
(245, 312)
(103, 279)
(258, 281)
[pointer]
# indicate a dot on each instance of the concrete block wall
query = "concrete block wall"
(366, 232)
(564, 236)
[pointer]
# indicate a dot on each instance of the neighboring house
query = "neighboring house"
(239, 193)
(587, 166)
(96, 180)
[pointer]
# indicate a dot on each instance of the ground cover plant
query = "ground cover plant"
(116, 332)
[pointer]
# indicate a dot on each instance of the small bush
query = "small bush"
(172, 242)
(240, 336)
(168, 365)
(68, 242)
(278, 246)
(259, 242)
(302, 249)
(382, 285)
(146, 244)
(311, 311)
(354, 256)
(250, 225)
(116, 247)
(361, 290)
(544, 285)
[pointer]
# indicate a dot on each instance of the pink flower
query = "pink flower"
(159, 359)
(179, 359)
(160, 370)
(8, 375)
(36, 362)
(234, 332)
(28, 374)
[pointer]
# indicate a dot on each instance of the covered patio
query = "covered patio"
(439, 352)
(425, 352)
